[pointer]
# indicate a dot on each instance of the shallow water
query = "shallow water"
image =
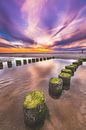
(66, 113)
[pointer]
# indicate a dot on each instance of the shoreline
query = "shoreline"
(64, 55)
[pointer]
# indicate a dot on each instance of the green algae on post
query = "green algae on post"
(84, 59)
(66, 77)
(75, 66)
(33, 99)
(18, 62)
(80, 61)
(71, 67)
(67, 71)
(33, 60)
(35, 108)
(55, 80)
(37, 59)
(29, 60)
(55, 87)
(76, 63)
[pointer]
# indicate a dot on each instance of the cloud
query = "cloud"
(11, 20)
(45, 23)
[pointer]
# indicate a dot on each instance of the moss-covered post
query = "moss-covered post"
(66, 80)
(53, 57)
(80, 61)
(71, 67)
(55, 87)
(76, 63)
(47, 58)
(29, 60)
(44, 58)
(37, 59)
(33, 60)
(1, 65)
(9, 64)
(24, 61)
(67, 71)
(84, 59)
(35, 108)
(40, 59)
(18, 62)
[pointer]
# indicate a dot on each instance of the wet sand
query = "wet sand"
(66, 113)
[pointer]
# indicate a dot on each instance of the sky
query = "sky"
(42, 25)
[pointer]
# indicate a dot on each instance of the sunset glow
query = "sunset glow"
(23, 50)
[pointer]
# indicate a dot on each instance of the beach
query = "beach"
(66, 113)
(59, 54)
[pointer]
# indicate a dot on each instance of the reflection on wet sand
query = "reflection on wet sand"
(66, 113)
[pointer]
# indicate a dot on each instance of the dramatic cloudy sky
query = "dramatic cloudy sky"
(42, 25)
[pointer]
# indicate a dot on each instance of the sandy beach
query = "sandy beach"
(66, 113)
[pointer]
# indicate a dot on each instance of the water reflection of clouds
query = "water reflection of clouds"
(40, 72)
(80, 79)
(43, 70)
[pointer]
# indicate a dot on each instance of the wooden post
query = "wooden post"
(18, 62)
(44, 58)
(37, 59)
(40, 59)
(35, 109)
(24, 61)
(33, 60)
(29, 60)
(9, 64)
(1, 65)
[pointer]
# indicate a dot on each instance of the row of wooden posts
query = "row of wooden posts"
(25, 61)
(62, 82)
(35, 107)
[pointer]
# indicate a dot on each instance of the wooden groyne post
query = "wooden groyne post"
(24, 61)
(1, 65)
(9, 64)
(18, 62)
